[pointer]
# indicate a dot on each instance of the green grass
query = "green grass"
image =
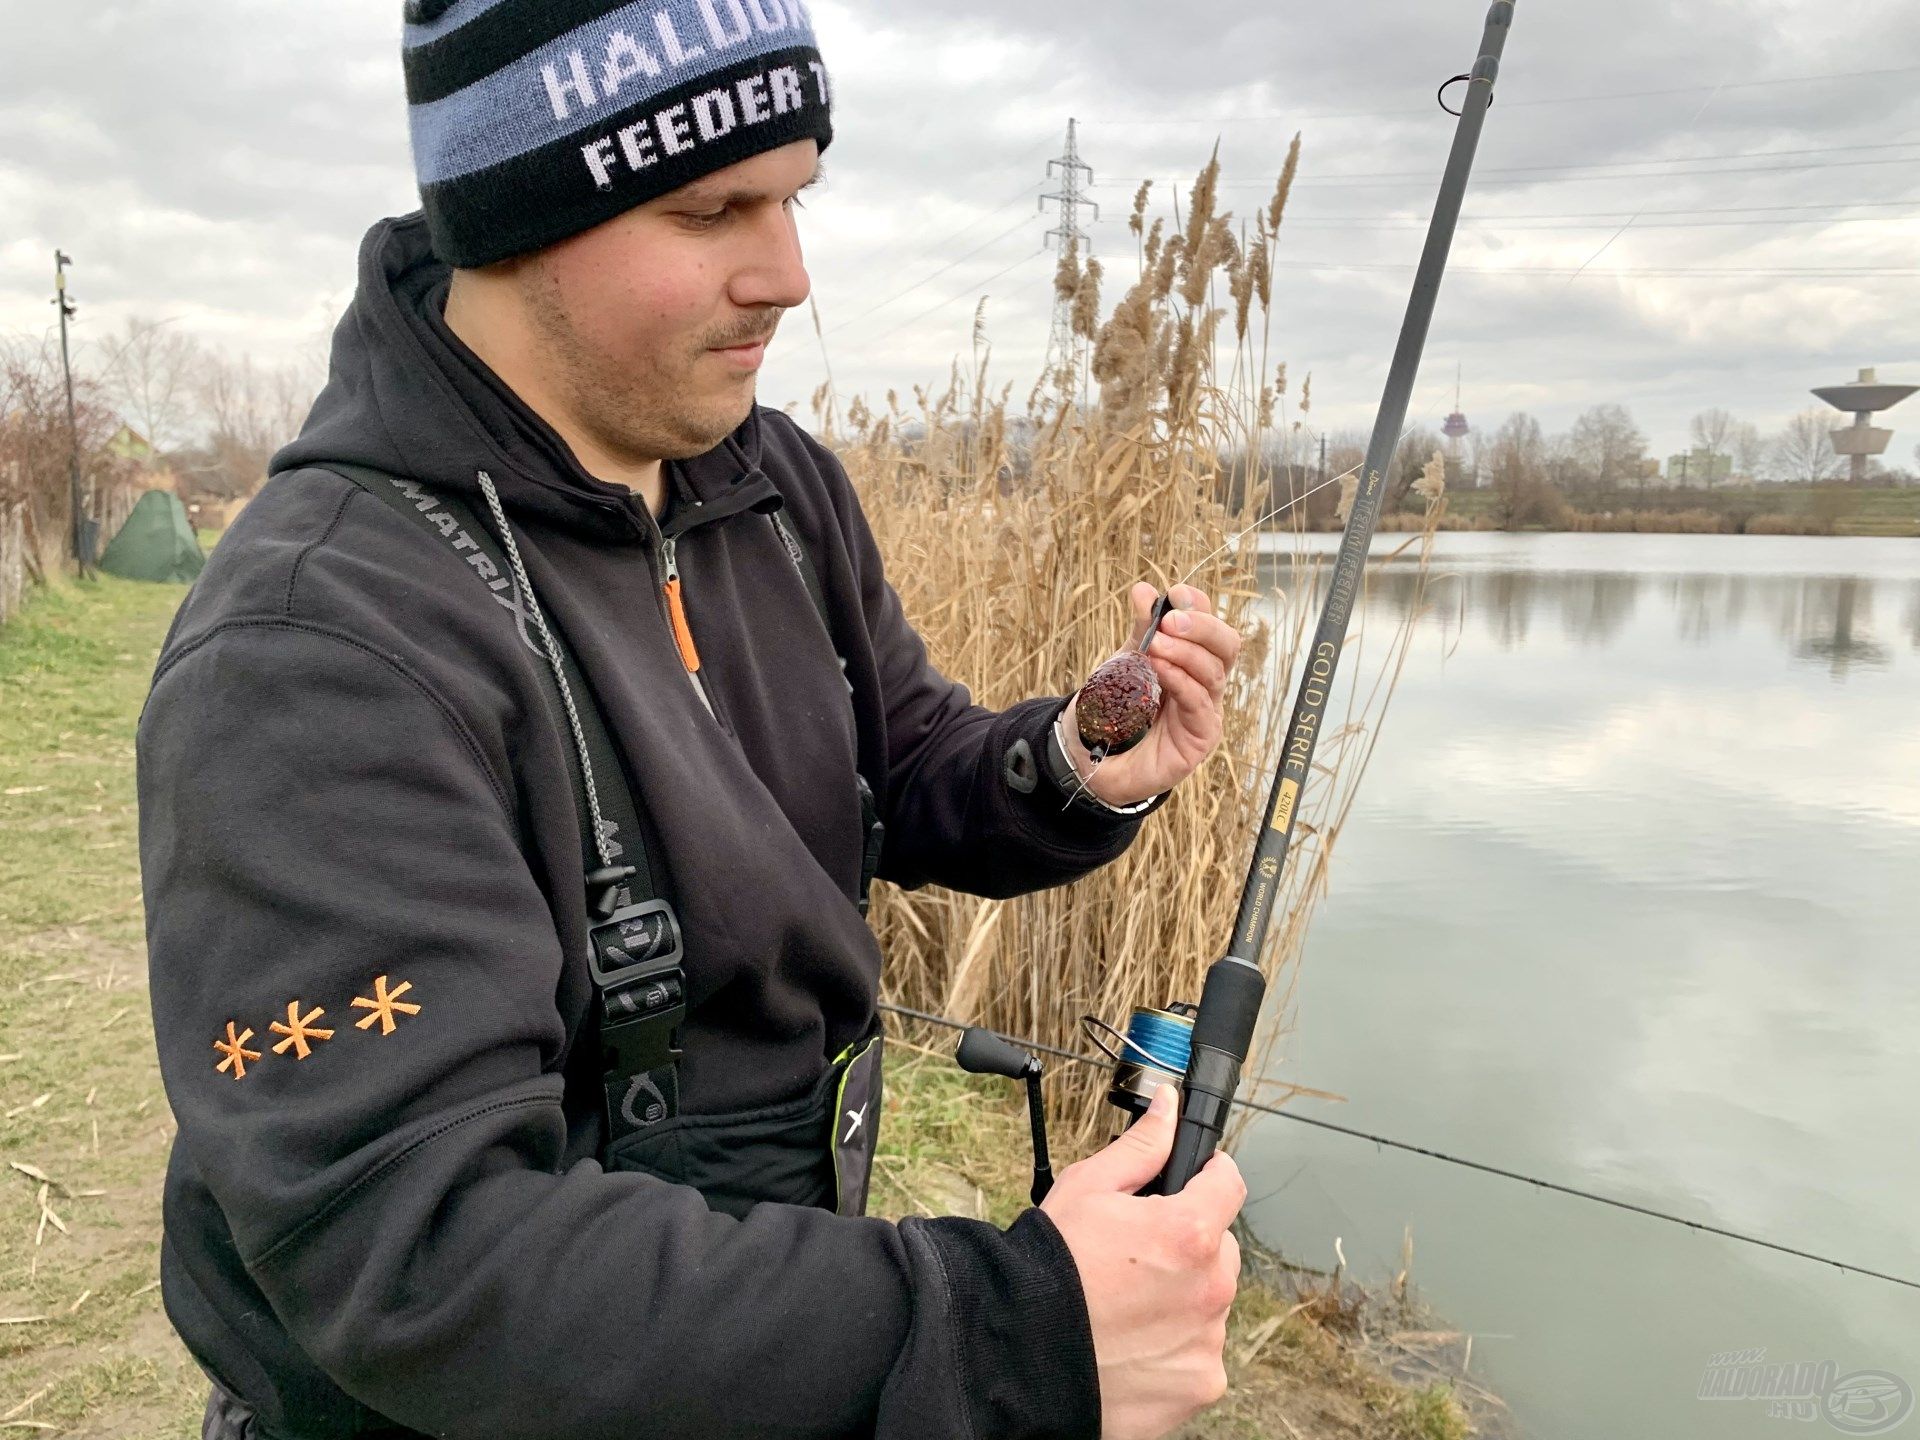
(1860, 512)
(80, 1096)
(81, 1101)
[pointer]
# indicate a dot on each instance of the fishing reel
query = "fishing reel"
(1200, 1048)
(1153, 1052)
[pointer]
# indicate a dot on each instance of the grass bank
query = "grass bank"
(1834, 509)
(1310, 1357)
(84, 1127)
(85, 1349)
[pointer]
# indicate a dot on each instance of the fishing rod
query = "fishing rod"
(1219, 1031)
(1201, 1048)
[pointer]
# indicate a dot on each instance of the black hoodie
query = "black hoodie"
(354, 809)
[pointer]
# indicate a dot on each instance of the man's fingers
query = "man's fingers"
(1205, 666)
(1218, 1191)
(1140, 600)
(1209, 632)
(1140, 1154)
(1186, 597)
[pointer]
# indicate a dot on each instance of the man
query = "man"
(406, 1197)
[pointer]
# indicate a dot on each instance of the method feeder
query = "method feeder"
(1202, 1048)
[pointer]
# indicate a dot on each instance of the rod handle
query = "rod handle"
(1222, 1034)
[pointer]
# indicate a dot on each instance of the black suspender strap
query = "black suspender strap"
(873, 831)
(810, 578)
(636, 954)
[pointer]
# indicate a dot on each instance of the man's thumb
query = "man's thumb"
(1140, 1154)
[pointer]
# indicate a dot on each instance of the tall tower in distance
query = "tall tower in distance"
(1862, 438)
(1063, 349)
(1455, 429)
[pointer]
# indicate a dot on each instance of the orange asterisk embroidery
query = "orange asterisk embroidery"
(383, 1005)
(298, 1030)
(234, 1047)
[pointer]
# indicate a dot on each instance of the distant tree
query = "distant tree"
(1346, 451)
(1608, 447)
(1562, 466)
(1415, 449)
(150, 376)
(1517, 474)
(1749, 450)
(36, 446)
(249, 412)
(1479, 456)
(1713, 431)
(1804, 449)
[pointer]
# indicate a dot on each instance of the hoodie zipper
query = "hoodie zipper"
(676, 612)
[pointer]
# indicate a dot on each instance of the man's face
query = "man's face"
(631, 317)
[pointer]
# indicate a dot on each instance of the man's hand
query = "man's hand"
(1159, 1274)
(1191, 654)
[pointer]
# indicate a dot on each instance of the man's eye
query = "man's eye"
(710, 217)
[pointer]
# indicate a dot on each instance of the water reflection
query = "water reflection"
(1836, 622)
(1832, 623)
(1628, 902)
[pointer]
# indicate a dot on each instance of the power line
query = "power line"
(1818, 165)
(1617, 214)
(1101, 1062)
(1497, 224)
(1019, 224)
(960, 295)
(1843, 272)
(1017, 197)
(1514, 172)
(1503, 221)
(1506, 102)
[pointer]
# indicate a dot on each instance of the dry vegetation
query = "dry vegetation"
(1013, 540)
(36, 452)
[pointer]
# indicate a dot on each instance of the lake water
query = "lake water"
(1630, 900)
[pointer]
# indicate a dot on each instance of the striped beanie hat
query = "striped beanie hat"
(533, 120)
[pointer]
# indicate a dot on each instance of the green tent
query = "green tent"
(156, 543)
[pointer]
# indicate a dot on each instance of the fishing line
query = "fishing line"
(1691, 124)
(1382, 1141)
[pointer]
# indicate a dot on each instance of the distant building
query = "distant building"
(132, 448)
(128, 443)
(1699, 467)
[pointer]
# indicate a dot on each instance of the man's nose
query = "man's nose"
(777, 272)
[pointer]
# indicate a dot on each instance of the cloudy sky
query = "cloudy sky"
(216, 161)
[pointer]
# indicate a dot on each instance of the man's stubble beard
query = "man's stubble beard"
(635, 411)
(639, 413)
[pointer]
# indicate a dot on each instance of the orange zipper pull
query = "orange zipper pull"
(677, 611)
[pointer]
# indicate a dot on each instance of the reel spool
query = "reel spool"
(1153, 1052)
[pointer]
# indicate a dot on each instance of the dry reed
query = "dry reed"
(1013, 539)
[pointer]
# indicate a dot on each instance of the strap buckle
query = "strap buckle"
(635, 957)
(875, 834)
